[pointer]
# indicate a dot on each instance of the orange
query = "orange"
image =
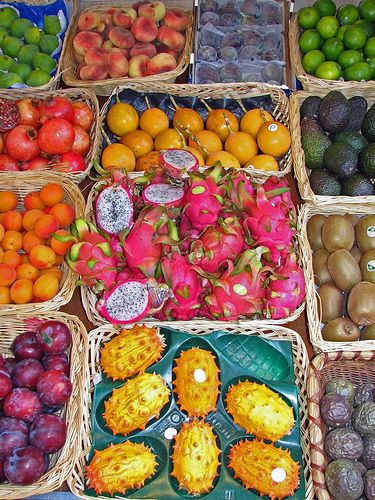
(206, 142)
(188, 121)
(2, 232)
(118, 156)
(12, 258)
(12, 241)
(45, 226)
(8, 201)
(169, 138)
(5, 295)
(139, 142)
(33, 200)
(253, 119)
(21, 292)
(263, 162)
(222, 122)
(27, 271)
(273, 139)
(226, 159)
(59, 247)
(153, 121)
(31, 240)
(242, 146)
(42, 257)
(53, 270)
(1, 255)
(12, 220)
(198, 155)
(148, 161)
(30, 217)
(51, 193)
(122, 118)
(7, 274)
(63, 213)
(46, 287)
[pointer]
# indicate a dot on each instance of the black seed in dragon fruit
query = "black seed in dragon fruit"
(114, 209)
(163, 194)
(178, 162)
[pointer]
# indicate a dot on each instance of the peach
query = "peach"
(106, 18)
(100, 28)
(116, 63)
(88, 20)
(95, 56)
(161, 63)
(129, 11)
(93, 72)
(176, 19)
(107, 45)
(138, 4)
(162, 49)
(111, 11)
(121, 38)
(155, 10)
(123, 20)
(85, 40)
(143, 48)
(171, 38)
(144, 29)
(78, 58)
(138, 66)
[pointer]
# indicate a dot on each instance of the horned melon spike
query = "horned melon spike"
(131, 406)
(121, 467)
(197, 382)
(195, 457)
(263, 467)
(259, 410)
(131, 352)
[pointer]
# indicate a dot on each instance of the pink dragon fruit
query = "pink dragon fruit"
(239, 189)
(132, 300)
(114, 205)
(216, 244)
(240, 289)
(286, 289)
(278, 191)
(178, 162)
(163, 194)
(189, 234)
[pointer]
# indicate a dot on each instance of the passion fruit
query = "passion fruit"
(139, 142)
(198, 155)
(206, 142)
(242, 146)
(122, 118)
(188, 121)
(222, 122)
(226, 159)
(253, 119)
(169, 139)
(153, 121)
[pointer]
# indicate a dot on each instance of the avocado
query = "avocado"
(343, 443)
(367, 160)
(341, 160)
(324, 184)
(310, 107)
(368, 125)
(334, 112)
(357, 185)
(314, 143)
(358, 110)
(344, 479)
(354, 139)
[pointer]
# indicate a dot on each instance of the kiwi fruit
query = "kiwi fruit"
(314, 231)
(357, 254)
(341, 330)
(365, 233)
(353, 219)
(361, 303)
(319, 263)
(344, 270)
(331, 302)
(368, 333)
(337, 233)
(367, 265)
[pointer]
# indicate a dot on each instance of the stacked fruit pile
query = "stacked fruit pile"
(338, 44)
(137, 41)
(343, 264)
(37, 133)
(338, 139)
(253, 141)
(34, 385)
(29, 251)
(27, 49)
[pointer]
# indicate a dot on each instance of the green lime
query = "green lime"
(308, 17)
(312, 60)
(371, 62)
(369, 48)
(332, 48)
(341, 31)
(347, 14)
(367, 26)
(349, 57)
(367, 10)
(328, 70)
(358, 71)
(327, 27)
(354, 37)
(325, 7)
(309, 40)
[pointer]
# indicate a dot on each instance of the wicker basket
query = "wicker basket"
(300, 170)
(76, 480)
(358, 367)
(105, 87)
(85, 95)
(313, 318)
(62, 462)
(310, 82)
(55, 80)
(235, 91)
(22, 185)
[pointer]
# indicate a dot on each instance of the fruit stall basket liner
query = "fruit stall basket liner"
(21, 186)
(71, 6)
(216, 95)
(194, 334)
(300, 170)
(359, 368)
(85, 95)
(312, 297)
(62, 462)
(105, 87)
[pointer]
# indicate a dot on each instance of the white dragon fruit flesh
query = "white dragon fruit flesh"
(178, 162)
(163, 194)
(114, 209)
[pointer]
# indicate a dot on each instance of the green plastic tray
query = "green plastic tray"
(239, 357)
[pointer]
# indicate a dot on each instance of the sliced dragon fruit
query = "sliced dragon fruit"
(178, 162)
(114, 209)
(163, 194)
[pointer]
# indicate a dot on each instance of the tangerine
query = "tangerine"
(139, 142)
(226, 159)
(42, 257)
(27, 271)
(188, 121)
(12, 220)
(12, 240)
(12, 258)
(63, 213)
(118, 156)
(30, 217)
(263, 162)
(7, 274)
(46, 287)
(153, 121)
(148, 161)
(206, 142)
(8, 201)
(60, 247)
(51, 193)
(21, 292)
(5, 295)
(122, 118)
(253, 119)
(222, 122)
(274, 139)
(33, 200)
(242, 146)
(168, 139)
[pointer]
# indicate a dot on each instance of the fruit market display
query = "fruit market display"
(30, 254)
(197, 444)
(40, 133)
(338, 43)
(142, 40)
(344, 272)
(28, 51)
(34, 388)
(338, 139)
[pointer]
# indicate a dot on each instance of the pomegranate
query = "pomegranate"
(10, 364)
(25, 465)
(27, 373)
(13, 434)
(54, 388)
(53, 337)
(38, 163)
(29, 112)
(7, 163)
(83, 116)
(23, 404)
(56, 136)
(73, 162)
(25, 346)
(1, 143)
(57, 107)
(22, 144)
(48, 433)
(5, 385)
(81, 144)
(56, 362)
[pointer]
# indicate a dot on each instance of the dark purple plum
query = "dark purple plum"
(272, 40)
(249, 21)
(228, 54)
(56, 362)
(27, 373)
(273, 72)
(54, 388)
(48, 433)
(252, 37)
(10, 364)
(52, 409)
(5, 385)
(251, 8)
(250, 53)
(229, 20)
(232, 39)
(14, 425)
(207, 54)
(25, 465)
(209, 17)
(209, 5)
(53, 337)
(23, 404)
(228, 8)
(208, 72)
(271, 13)
(25, 346)
(231, 71)
(211, 36)
(271, 55)
(13, 434)
(228, 80)
(2, 477)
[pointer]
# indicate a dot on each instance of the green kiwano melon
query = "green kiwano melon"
(48, 43)
(52, 25)
(9, 79)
